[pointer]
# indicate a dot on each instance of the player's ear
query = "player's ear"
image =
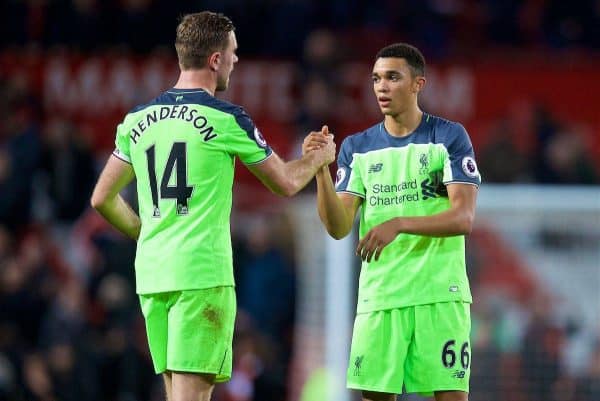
(419, 83)
(214, 60)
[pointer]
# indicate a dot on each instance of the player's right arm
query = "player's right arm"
(107, 201)
(117, 173)
(336, 210)
(287, 178)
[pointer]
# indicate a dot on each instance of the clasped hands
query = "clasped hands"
(320, 141)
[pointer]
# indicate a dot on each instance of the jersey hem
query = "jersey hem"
(163, 290)
(400, 306)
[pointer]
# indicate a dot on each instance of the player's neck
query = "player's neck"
(404, 123)
(197, 79)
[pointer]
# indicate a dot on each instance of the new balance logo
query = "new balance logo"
(375, 168)
(178, 98)
(459, 374)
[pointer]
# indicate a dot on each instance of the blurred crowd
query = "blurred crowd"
(521, 354)
(540, 149)
(70, 327)
(278, 27)
(524, 347)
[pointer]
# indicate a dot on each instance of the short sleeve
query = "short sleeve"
(348, 178)
(246, 141)
(460, 164)
(122, 142)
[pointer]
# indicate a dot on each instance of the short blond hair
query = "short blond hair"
(199, 35)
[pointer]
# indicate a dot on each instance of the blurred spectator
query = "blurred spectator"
(500, 160)
(318, 106)
(588, 387)
(572, 24)
(19, 153)
(266, 294)
(37, 380)
(65, 321)
(8, 379)
(561, 156)
(248, 365)
(319, 85)
(565, 161)
(68, 163)
(321, 56)
(72, 375)
(267, 271)
(26, 287)
(485, 379)
(541, 352)
(319, 82)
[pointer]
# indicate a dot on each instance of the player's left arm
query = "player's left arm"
(457, 220)
(107, 201)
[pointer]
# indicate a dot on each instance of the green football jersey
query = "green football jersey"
(182, 147)
(407, 177)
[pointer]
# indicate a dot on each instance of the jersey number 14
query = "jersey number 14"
(180, 191)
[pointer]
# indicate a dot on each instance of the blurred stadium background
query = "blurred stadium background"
(522, 76)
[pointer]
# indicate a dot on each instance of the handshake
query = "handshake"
(322, 143)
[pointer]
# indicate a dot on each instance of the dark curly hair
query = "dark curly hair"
(414, 58)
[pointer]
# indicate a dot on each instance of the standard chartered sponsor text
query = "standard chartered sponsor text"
(394, 194)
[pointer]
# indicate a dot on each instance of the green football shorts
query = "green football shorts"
(426, 348)
(191, 331)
